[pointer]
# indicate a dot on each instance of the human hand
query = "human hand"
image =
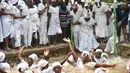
(119, 23)
(114, 65)
(66, 40)
(46, 52)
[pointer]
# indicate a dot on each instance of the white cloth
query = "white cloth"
(91, 64)
(24, 12)
(5, 66)
(111, 25)
(23, 66)
(79, 63)
(71, 59)
(101, 28)
(17, 27)
(43, 27)
(54, 26)
(87, 40)
(6, 19)
(110, 45)
(69, 7)
(101, 60)
(100, 70)
(56, 64)
(98, 50)
(48, 70)
(75, 28)
(2, 56)
(1, 31)
(42, 63)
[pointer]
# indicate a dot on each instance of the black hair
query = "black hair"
(19, 70)
(37, 2)
(99, 4)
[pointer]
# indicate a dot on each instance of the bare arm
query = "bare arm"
(46, 54)
(71, 49)
(1, 71)
(17, 17)
(20, 53)
(105, 65)
(4, 13)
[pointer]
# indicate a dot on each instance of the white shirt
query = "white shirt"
(101, 60)
(5, 66)
(79, 63)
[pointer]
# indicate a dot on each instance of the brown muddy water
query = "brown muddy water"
(120, 68)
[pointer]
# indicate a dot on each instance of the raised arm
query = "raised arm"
(105, 65)
(71, 49)
(46, 54)
(20, 53)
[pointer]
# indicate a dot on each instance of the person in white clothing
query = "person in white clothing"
(6, 21)
(54, 24)
(43, 21)
(87, 40)
(75, 14)
(101, 70)
(24, 12)
(99, 13)
(57, 68)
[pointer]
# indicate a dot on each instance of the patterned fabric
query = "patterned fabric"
(63, 18)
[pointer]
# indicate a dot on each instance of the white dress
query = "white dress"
(87, 39)
(75, 28)
(110, 45)
(100, 17)
(111, 25)
(17, 27)
(6, 19)
(43, 27)
(54, 26)
(32, 23)
(24, 12)
(1, 30)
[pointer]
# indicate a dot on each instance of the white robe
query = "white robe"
(6, 19)
(43, 27)
(75, 28)
(54, 26)
(5, 66)
(24, 12)
(33, 22)
(1, 29)
(111, 25)
(100, 17)
(17, 27)
(110, 45)
(87, 39)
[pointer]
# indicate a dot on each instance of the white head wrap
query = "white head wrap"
(34, 57)
(104, 54)
(2, 56)
(13, 1)
(100, 70)
(85, 52)
(23, 66)
(42, 63)
(86, 4)
(56, 64)
(28, 71)
(97, 1)
(98, 50)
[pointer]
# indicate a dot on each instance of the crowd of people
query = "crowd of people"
(42, 22)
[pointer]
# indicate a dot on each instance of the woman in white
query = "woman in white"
(75, 14)
(43, 21)
(54, 24)
(17, 23)
(87, 39)
(33, 21)
(99, 11)
(6, 19)
(24, 12)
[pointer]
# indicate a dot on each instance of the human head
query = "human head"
(22, 67)
(98, 53)
(44, 1)
(30, 3)
(54, 3)
(43, 64)
(85, 56)
(75, 8)
(32, 58)
(37, 2)
(63, 6)
(57, 67)
(2, 56)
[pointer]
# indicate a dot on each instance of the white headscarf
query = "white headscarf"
(2, 56)
(56, 64)
(34, 57)
(42, 63)
(98, 50)
(22, 66)
(100, 70)
(85, 52)
(104, 54)
(97, 1)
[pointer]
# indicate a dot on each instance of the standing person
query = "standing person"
(122, 12)
(54, 24)
(99, 13)
(87, 40)
(75, 14)
(7, 19)
(33, 20)
(63, 19)
(17, 24)
(24, 12)
(43, 21)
